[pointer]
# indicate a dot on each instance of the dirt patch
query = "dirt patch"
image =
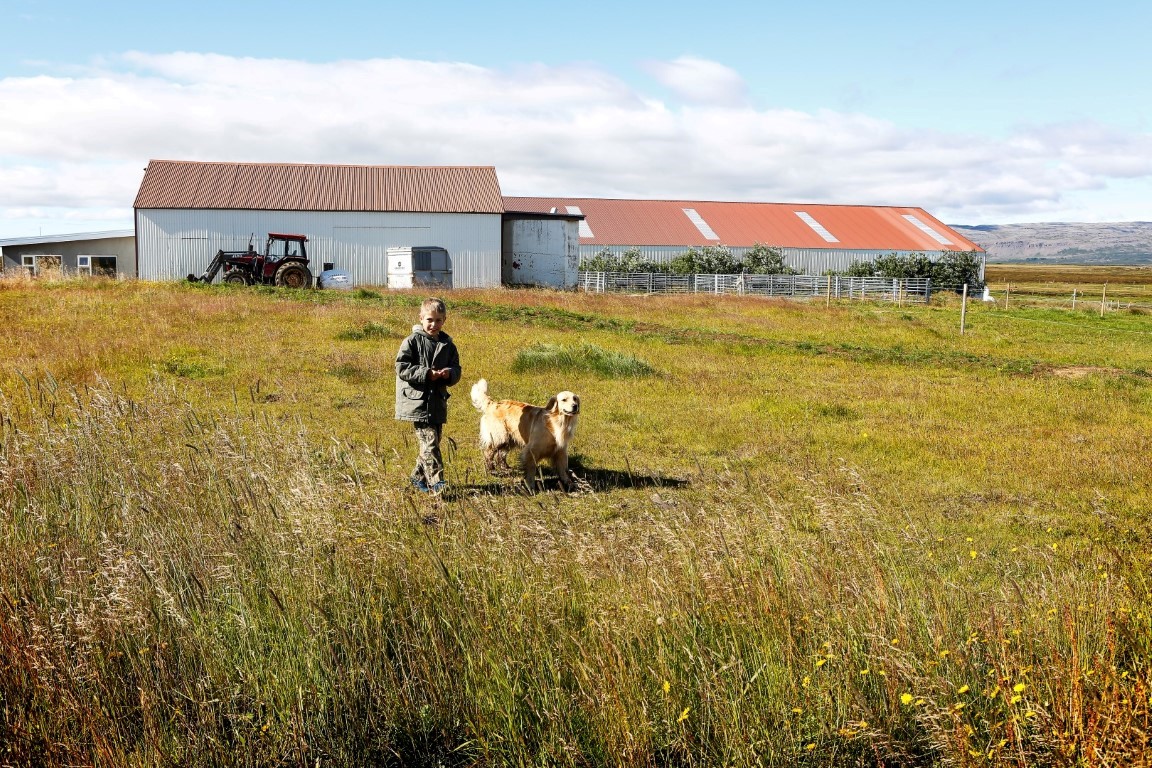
(1082, 371)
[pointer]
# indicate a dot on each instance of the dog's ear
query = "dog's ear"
(551, 404)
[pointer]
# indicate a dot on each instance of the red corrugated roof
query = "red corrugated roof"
(664, 222)
(299, 187)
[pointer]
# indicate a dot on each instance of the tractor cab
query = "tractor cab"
(280, 247)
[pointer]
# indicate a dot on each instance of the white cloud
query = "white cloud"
(76, 145)
(700, 81)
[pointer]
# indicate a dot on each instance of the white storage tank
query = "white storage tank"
(413, 266)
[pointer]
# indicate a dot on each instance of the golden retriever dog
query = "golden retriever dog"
(541, 433)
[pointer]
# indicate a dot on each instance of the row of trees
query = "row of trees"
(951, 269)
(708, 260)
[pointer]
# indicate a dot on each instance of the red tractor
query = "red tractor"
(284, 263)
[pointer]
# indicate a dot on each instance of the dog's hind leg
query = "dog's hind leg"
(491, 453)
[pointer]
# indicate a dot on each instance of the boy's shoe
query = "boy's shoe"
(438, 487)
(420, 485)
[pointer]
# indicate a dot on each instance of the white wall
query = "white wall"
(175, 242)
(541, 252)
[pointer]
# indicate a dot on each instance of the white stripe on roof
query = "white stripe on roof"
(928, 230)
(585, 230)
(701, 225)
(817, 227)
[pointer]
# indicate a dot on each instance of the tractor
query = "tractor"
(284, 263)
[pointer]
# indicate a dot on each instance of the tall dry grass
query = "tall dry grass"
(197, 573)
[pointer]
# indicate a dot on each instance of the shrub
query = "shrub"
(631, 260)
(708, 260)
(957, 268)
(949, 270)
(858, 269)
(765, 260)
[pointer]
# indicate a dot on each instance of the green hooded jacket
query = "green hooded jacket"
(418, 399)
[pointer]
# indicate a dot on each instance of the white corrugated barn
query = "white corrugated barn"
(187, 211)
(812, 238)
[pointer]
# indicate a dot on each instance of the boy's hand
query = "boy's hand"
(441, 373)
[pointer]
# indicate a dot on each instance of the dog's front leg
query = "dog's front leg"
(528, 465)
(560, 464)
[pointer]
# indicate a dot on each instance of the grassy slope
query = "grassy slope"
(798, 541)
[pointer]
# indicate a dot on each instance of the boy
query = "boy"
(426, 365)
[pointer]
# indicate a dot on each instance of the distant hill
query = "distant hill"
(1127, 242)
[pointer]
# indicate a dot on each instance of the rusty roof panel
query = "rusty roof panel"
(302, 187)
(663, 222)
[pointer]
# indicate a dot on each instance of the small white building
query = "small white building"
(352, 214)
(107, 254)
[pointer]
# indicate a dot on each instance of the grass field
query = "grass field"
(803, 535)
(1054, 283)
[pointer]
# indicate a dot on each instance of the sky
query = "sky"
(978, 112)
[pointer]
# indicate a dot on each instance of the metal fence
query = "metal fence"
(786, 286)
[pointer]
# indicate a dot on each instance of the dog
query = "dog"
(541, 433)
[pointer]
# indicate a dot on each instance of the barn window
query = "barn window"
(28, 262)
(96, 265)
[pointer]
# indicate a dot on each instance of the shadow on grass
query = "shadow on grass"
(587, 479)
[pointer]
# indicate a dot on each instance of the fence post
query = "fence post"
(1103, 296)
(1073, 299)
(1007, 293)
(828, 301)
(963, 308)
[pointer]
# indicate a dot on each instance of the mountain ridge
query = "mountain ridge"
(1108, 243)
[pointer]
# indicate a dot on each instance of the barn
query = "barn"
(814, 239)
(352, 215)
(110, 254)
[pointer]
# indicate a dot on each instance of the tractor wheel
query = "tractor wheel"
(235, 278)
(293, 275)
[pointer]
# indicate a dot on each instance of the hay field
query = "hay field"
(804, 535)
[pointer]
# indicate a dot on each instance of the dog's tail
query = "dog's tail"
(480, 397)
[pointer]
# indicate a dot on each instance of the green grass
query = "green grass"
(820, 536)
(583, 358)
(368, 331)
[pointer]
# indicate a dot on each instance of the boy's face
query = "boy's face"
(432, 321)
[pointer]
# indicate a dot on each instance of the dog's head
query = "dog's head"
(565, 403)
